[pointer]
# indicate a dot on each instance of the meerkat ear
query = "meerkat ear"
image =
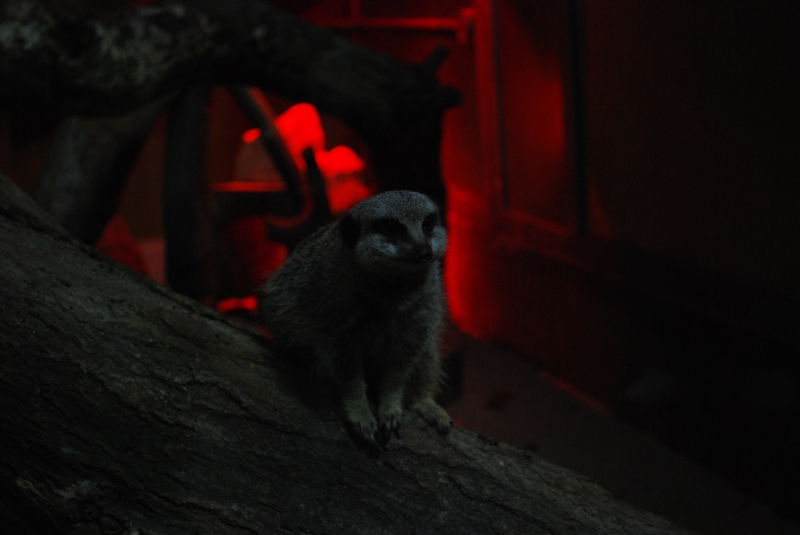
(350, 229)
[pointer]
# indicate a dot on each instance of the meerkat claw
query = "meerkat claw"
(369, 437)
(436, 416)
(390, 427)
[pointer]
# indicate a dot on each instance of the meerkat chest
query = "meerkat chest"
(398, 331)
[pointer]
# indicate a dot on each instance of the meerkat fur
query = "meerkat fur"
(360, 302)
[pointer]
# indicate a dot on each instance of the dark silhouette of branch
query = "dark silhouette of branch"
(127, 408)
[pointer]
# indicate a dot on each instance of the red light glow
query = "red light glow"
(251, 135)
(300, 127)
(339, 160)
(249, 303)
(249, 186)
(471, 294)
(118, 243)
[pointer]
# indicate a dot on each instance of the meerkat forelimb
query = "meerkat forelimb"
(361, 302)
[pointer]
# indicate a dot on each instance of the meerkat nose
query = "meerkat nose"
(423, 253)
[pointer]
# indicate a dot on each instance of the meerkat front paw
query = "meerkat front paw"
(389, 422)
(358, 414)
(368, 435)
(364, 426)
(434, 415)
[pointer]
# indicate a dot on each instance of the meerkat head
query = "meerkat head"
(396, 231)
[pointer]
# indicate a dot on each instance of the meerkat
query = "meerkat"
(361, 303)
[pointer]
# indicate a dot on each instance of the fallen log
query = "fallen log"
(127, 408)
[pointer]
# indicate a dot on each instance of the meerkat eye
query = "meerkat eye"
(389, 227)
(429, 222)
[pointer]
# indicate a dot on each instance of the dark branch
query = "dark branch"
(110, 67)
(87, 166)
(125, 407)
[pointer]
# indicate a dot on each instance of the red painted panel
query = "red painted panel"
(532, 43)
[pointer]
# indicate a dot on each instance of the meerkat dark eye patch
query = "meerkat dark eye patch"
(389, 227)
(430, 221)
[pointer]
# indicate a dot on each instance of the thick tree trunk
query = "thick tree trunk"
(127, 408)
(116, 65)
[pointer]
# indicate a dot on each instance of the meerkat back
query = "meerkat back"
(360, 303)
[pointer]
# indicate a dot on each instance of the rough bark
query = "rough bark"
(112, 66)
(127, 408)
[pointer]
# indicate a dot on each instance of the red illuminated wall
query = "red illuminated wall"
(532, 42)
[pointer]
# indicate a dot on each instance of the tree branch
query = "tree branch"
(110, 67)
(88, 164)
(125, 406)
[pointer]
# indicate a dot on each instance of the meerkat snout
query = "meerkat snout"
(424, 253)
